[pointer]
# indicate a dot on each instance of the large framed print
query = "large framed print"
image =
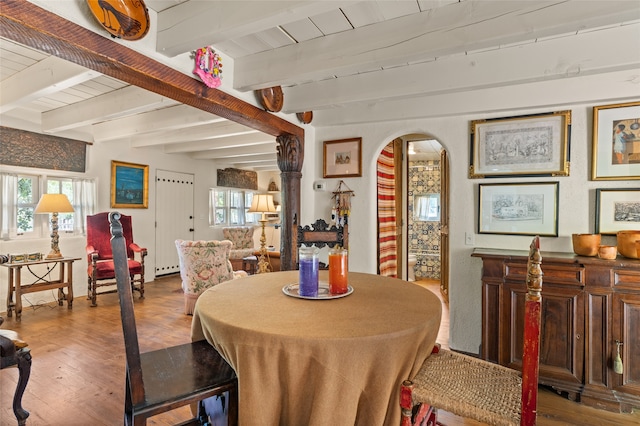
(616, 142)
(617, 210)
(518, 209)
(528, 145)
(129, 185)
(342, 158)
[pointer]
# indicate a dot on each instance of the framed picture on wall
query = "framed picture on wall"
(616, 142)
(129, 185)
(617, 210)
(527, 145)
(519, 209)
(342, 158)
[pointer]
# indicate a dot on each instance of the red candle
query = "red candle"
(338, 270)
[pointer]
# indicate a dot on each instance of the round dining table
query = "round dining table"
(337, 361)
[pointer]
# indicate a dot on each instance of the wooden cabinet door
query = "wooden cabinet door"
(562, 330)
(626, 329)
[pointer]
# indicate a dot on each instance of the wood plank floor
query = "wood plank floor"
(78, 363)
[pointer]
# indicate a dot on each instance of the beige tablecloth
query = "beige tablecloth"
(319, 362)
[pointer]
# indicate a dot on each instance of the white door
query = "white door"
(174, 217)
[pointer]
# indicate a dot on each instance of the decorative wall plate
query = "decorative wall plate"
(272, 98)
(305, 117)
(125, 19)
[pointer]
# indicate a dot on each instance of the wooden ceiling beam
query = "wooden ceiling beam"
(26, 23)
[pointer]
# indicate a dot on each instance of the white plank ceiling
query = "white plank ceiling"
(344, 60)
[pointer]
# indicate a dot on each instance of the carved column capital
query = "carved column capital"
(290, 153)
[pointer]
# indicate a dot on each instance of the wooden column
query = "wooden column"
(290, 159)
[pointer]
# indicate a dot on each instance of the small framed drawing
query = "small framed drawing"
(518, 209)
(129, 185)
(342, 158)
(527, 145)
(617, 210)
(616, 142)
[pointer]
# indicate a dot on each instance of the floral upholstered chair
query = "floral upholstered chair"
(243, 245)
(203, 264)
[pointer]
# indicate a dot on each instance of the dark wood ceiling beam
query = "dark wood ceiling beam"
(33, 26)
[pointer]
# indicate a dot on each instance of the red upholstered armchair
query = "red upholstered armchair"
(100, 269)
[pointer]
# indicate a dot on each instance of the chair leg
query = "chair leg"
(232, 413)
(129, 418)
(24, 371)
(94, 295)
(140, 288)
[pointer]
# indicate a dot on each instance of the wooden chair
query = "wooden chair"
(165, 379)
(478, 389)
(14, 352)
(100, 270)
(320, 234)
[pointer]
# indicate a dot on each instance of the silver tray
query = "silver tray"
(323, 292)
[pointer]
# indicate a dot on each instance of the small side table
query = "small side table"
(42, 281)
(249, 264)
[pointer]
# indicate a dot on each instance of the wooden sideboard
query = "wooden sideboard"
(587, 305)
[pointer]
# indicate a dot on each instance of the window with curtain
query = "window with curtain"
(20, 195)
(230, 207)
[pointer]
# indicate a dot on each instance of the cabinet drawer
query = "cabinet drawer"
(552, 274)
(626, 278)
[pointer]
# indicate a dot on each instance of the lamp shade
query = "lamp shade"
(54, 203)
(262, 203)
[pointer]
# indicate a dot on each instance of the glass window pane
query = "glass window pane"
(234, 217)
(67, 189)
(220, 198)
(25, 190)
(236, 199)
(25, 219)
(220, 217)
(53, 186)
(65, 222)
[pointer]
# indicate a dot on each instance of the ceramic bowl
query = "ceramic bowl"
(607, 252)
(586, 244)
(627, 243)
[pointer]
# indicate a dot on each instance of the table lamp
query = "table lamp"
(54, 204)
(262, 203)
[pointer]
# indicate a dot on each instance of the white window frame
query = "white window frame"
(227, 209)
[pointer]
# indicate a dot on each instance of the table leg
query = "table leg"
(61, 296)
(69, 284)
(10, 293)
(18, 284)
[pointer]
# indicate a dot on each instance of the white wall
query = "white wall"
(577, 202)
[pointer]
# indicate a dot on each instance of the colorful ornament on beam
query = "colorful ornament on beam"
(208, 66)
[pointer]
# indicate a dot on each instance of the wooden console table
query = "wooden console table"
(588, 304)
(42, 281)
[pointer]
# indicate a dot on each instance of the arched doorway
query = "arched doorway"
(413, 191)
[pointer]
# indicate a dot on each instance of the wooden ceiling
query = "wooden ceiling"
(347, 61)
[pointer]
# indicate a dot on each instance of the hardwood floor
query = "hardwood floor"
(77, 376)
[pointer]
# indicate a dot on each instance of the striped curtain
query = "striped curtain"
(387, 261)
